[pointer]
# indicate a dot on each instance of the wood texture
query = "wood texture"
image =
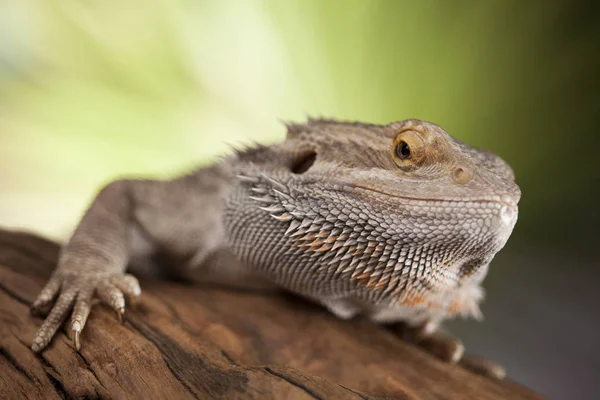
(187, 341)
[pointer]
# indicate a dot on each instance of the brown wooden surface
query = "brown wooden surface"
(187, 341)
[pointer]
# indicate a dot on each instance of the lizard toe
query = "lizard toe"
(54, 320)
(81, 311)
(427, 336)
(129, 285)
(112, 296)
(46, 296)
(483, 366)
(446, 347)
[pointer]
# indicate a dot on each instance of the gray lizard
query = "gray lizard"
(396, 222)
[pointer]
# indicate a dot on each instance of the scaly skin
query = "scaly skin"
(397, 222)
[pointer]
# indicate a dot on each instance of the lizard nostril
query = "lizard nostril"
(461, 175)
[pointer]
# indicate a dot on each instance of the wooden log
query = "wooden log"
(191, 341)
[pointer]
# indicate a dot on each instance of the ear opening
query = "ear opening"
(303, 162)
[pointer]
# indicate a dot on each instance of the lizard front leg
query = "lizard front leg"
(92, 262)
(181, 216)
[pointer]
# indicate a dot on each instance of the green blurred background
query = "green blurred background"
(93, 90)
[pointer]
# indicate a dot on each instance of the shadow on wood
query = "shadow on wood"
(187, 341)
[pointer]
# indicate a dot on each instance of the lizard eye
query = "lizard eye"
(403, 150)
(409, 151)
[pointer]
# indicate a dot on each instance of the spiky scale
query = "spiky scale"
(314, 228)
(294, 224)
(319, 220)
(276, 184)
(247, 179)
(283, 217)
(259, 190)
(265, 199)
(306, 222)
(273, 209)
(283, 195)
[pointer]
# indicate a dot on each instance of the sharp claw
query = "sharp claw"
(76, 339)
(120, 313)
(75, 331)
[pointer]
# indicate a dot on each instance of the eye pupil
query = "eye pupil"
(403, 150)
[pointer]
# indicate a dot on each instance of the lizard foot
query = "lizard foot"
(448, 348)
(75, 292)
(483, 366)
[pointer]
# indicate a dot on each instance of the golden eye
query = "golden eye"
(408, 150)
(403, 150)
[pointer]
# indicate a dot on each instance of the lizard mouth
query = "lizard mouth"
(505, 200)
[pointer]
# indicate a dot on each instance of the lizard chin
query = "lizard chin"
(424, 254)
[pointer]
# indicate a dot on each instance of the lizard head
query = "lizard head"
(403, 208)
(410, 159)
(411, 163)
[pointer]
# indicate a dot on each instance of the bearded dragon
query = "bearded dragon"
(395, 222)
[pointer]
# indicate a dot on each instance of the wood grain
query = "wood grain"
(190, 341)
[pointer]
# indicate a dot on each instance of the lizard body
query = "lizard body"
(398, 222)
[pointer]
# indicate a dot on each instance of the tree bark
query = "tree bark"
(191, 341)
